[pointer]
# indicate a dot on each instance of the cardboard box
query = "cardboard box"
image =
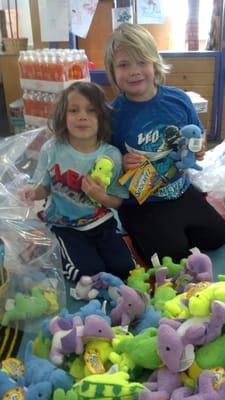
(200, 104)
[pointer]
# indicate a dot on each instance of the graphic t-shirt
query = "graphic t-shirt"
(151, 127)
(61, 168)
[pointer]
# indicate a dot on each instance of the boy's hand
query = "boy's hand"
(27, 194)
(132, 160)
(93, 187)
(201, 153)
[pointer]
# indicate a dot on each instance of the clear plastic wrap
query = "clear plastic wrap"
(18, 160)
(35, 286)
(212, 177)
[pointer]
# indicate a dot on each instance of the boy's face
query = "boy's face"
(134, 78)
(81, 120)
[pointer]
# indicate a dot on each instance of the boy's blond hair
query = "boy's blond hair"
(139, 44)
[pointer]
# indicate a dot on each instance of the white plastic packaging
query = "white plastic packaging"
(212, 177)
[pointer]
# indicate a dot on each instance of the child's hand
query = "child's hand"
(132, 160)
(93, 187)
(201, 153)
(27, 194)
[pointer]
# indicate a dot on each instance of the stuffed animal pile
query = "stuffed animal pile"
(132, 341)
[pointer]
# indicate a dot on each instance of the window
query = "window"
(25, 28)
(177, 12)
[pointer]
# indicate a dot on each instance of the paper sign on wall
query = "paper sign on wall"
(122, 14)
(81, 15)
(150, 12)
(54, 20)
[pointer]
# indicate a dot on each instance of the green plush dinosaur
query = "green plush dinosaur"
(27, 307)
(161, 296)
(176, 307)
(114, 386)
(142, 349)
(172, 268)
(137, 279)
(200, 303)
(207, 357)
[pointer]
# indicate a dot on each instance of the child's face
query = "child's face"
(135, 79)
(81, 120)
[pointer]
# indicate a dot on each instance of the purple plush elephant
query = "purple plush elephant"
(176, 339)
(65, 342)
(206, 390)
(131, 306)
(161, 385)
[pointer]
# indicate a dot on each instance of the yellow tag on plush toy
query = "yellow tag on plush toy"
(142, 181)
(218, 377)
(13, 367)
(93, 361)
(14, 394)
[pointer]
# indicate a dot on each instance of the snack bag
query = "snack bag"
(143, 181)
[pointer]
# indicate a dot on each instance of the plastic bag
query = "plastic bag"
(18, 160)
(36, 287)
(212, 177)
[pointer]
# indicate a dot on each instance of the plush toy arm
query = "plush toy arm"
(181, 393)
(175, 155)
(148, 395)
(205, 382)
(195, 335)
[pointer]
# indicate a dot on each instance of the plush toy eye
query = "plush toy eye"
(129, 305)
(167, 348)
(100, 331)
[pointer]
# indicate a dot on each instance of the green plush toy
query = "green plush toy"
(176, 307)
(212, 355)
(209, 356)
(99, 356)
(95, 359)
(173, 268)
(103, 170)
(161, 296)
(27, 307)
(142, 349)
(41, 346)
(100, 387)
(200, 303)
(137, 279)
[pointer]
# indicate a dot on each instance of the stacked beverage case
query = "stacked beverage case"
(43, 74)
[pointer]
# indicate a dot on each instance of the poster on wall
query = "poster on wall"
(54, 20)
(122, 14)
(150, 12)
(81, 15)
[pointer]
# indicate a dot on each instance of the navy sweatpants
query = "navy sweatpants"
(96, 250)
(172, 227)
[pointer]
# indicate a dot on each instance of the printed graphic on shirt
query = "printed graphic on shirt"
(156, 144)
(68, 183)
(67, 192)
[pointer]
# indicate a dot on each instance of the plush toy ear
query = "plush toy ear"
(79, 340)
